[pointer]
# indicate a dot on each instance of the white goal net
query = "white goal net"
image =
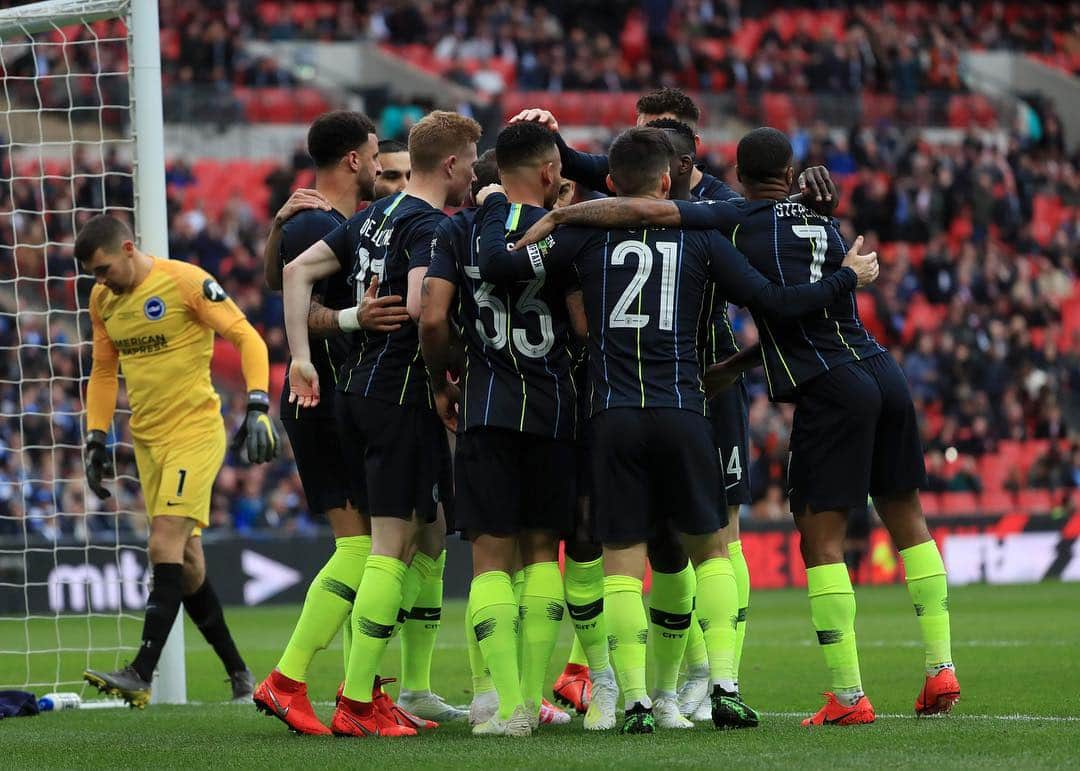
(72, 568)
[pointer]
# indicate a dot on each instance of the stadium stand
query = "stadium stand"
(980, 239)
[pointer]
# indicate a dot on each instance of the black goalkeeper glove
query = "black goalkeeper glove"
(98, 463)
(257, 432)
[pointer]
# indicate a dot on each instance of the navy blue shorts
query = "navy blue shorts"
(317, 449)
(654, 468)
(507, 482)
(855, 432)
(403, 454)
(729, 412)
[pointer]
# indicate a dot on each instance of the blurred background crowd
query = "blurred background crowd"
(978, 231)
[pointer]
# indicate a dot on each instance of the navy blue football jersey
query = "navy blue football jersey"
(327, 353)
(517, 365)
(644, 292)
(792, 246)
(387, 239)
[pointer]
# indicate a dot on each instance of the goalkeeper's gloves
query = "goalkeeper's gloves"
(257, 432)
(98, 463)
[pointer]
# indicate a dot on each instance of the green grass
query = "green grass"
(1017, 649)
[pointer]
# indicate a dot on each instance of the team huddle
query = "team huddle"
(532, 373)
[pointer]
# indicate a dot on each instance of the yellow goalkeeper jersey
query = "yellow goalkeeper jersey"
(162, 335)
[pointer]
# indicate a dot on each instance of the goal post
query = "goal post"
(81, 134)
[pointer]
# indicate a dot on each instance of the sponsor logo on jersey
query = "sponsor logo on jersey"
(154, 308)
(141, 344)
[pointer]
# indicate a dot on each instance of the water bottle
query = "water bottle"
(54, 702)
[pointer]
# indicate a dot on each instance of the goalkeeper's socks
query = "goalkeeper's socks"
(671, 602)
(717, 609)
(541, 609)
(584, 588)
(205, 610)
(327, 605)
(166, 594)
(832, 609)
(494, 616)
(378, 600)
(478, 668)
(742, 587)
(929, 592)
(624, 614)
(421, 628)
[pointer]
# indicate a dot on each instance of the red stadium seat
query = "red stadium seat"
(997, 502)
(931, 504)
(1036, 501)
(953, 504)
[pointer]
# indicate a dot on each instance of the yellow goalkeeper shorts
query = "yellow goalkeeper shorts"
(178, 479)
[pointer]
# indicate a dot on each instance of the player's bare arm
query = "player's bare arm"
(298, 279)
(725, 373)
(302, 198)
(437, 345)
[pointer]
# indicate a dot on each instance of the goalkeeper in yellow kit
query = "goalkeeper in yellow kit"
(157, 318)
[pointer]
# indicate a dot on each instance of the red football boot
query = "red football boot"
(835, 713)
(938, 695)
(355, 718)
(287, 700)
(393, 712)
(574, 688)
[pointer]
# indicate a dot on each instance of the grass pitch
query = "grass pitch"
(1017, 651)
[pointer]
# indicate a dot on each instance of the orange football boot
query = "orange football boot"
(287, 700)
(573, 688)
(938, 695)
(393, 712)
(355, 718)
(835, 713)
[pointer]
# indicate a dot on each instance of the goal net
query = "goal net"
(77, 104)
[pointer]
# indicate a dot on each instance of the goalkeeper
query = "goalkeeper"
(158, 318)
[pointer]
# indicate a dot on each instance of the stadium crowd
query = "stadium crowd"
(971, 297)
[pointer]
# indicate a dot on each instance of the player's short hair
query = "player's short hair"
(671, 100)
(638, 158)
(680, 134)
(333, 134)
(387, 146)
(100, 232)
(486, 171)
(763, 154)
(521, 144)
(437, 135)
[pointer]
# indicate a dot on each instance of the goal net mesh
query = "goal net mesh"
(72, 577)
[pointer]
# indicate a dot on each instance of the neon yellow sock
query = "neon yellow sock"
(742, 586)
(542, 614)
(346, 641)
(832, 609)
(929, 592)
(518, 582)
(494, 615)
(419, 570)
(629, 629)
(717, 609)
(478, 668)
(671, 602)
(328, 603)
(577, 656)
(697, 657)
(584, 587)
(378, 599)
(421, 629)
